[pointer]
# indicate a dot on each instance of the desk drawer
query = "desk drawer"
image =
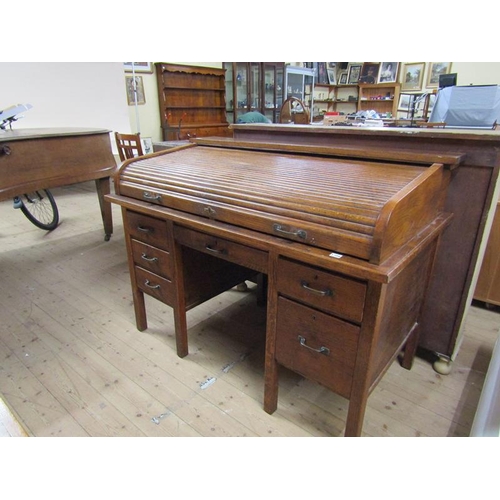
(222, 248)
(153, 259)
(147, 229)
(329, 292)
(154, 285)
(303, 332)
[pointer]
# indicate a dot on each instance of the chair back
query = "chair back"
(129, 145)
(293, 110)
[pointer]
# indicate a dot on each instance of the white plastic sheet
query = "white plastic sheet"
(470, 107)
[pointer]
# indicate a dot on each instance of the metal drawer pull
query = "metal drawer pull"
(149, 196)
(145, 229)
(149, 285)
(300, 233)
(149, 259)
(321, 350)
(323, 293)
(215, 250)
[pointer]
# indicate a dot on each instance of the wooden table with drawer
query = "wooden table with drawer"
(347, 245)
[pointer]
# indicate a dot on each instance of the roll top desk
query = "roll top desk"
(346, 240)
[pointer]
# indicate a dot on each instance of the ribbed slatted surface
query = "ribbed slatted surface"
(337, 193)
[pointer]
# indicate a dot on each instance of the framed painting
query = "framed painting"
(436, 69)
(354, 72)
(413, 74)
(138, 67)
(135, 88)
(331, 77)
(343, 78)
(322, 74)
(404, 102)
(369, 72)
(388, 72)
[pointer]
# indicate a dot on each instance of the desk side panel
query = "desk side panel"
(47, 162)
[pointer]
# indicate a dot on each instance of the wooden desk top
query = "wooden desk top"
(42, 133)
(443, 134)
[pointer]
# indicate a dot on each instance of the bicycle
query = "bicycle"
(39, 207)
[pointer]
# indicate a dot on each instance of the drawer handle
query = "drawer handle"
(149, 259)
(149, 285)
(300, 233)
(323, 293)
(145, 229)
(216, 250)
(152, 197)
(321, 350)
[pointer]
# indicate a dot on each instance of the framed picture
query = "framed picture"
(343, 78)
(138, 67)
(388, 72)
(147, 145)
(322, 74)
(369, 73)
(413, 74)
(436, 69)
(404, 102)
(134, 88)
(331, 77)
(354, 72)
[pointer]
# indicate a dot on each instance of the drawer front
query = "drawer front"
(316, 345)
(329, 292)
(147, 229)
(222, 248)
(153, 259)
(154, 285)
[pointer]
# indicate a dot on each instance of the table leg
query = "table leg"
(103, 188)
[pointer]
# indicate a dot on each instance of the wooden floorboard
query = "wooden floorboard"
(72, 362)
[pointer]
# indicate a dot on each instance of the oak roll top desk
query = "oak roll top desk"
(347, 243)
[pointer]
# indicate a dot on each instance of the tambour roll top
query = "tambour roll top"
(365, 208)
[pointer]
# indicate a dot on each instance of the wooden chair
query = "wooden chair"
(294, 110)
(129, 145)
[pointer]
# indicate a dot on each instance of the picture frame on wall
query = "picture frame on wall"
(322, 74)
(388, 72)
(354, 72)
(413, 74)
(405, 101)
(369, 72)
(436, 69)
(138, 67)
(139, 86)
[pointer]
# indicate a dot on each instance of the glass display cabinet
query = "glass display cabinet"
(253, 86)
(299, 83)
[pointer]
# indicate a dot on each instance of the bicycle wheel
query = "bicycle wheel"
(40, 208)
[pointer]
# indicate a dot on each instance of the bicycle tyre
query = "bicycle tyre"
(40, 208)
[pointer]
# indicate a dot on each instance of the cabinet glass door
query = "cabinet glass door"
(273, 91)
(254, 70)
(229, 79)
(242, 89)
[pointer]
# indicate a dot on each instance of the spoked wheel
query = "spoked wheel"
(40, 208)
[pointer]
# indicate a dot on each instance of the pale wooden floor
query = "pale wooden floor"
(73, 363)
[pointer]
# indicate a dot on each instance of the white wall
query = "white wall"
(70, 94)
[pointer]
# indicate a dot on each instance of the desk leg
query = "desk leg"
(179, 306)
(139, 309)
(271, 366)
(103, 188)
(410, 348)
